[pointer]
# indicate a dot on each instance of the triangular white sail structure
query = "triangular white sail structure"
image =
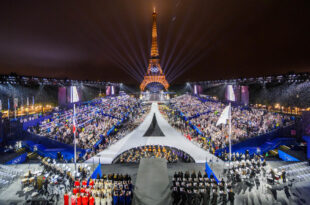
(224, 116)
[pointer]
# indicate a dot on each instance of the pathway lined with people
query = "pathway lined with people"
(134, 139)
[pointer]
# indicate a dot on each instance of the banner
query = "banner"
(27, 101)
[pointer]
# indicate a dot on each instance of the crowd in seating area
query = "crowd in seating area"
(134, 155)
(134, 119)
(196, 189)
(109, 189)
(93, 121)
(246, 122)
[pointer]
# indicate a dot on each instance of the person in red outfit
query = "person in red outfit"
(77, 183)
(82, 190)
(91, 183)
(73, 199)
(87, 191)
(79, 199)
(91, 200)
(66, 199)
(84, 183)
(75, 191)
(85, 200)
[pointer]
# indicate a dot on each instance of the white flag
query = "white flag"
(224, 116)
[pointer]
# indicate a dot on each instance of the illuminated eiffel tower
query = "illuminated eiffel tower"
(154, 72)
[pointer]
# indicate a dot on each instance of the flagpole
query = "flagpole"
(8, 108)
(229, 133)
(74, 137)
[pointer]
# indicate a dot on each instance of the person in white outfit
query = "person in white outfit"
(97, 200)
(109, 199)
(103, 200)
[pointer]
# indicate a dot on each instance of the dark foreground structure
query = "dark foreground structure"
(152, 185)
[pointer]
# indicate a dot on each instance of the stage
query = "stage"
(171, 138)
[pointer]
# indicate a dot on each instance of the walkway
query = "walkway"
(172, 138)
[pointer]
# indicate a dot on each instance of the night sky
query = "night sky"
(110, 39)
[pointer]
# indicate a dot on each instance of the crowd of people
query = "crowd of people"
(52, 181)
(134, 155)
(92, 121)
(196, 189)
(133, 120)
(97, 124)
(108, 189)
(251, 169)
(246, 122)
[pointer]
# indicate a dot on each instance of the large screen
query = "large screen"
(70, 94)
(108, 90)
(231, 93)
(62, 95)
(74, 96)
(237, 93)
(197, 89)
(245, 95)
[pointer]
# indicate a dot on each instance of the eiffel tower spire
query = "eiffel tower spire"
(154, 72)
(154, 48)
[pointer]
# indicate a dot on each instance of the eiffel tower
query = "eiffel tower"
(154, 72)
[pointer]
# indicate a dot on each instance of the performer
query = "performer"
(77, 183)
(97, 199)
(79, 199)
(128, 198)
(283, 175)
(85, 200)
(84, 183)
(109, 199)
(115, 197)
(91, 200)
(75, 190)
(73, 199)
(231, 196)
(66, 199)
(91, 183)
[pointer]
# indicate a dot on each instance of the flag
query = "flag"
(224, 116)
(74, 128)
